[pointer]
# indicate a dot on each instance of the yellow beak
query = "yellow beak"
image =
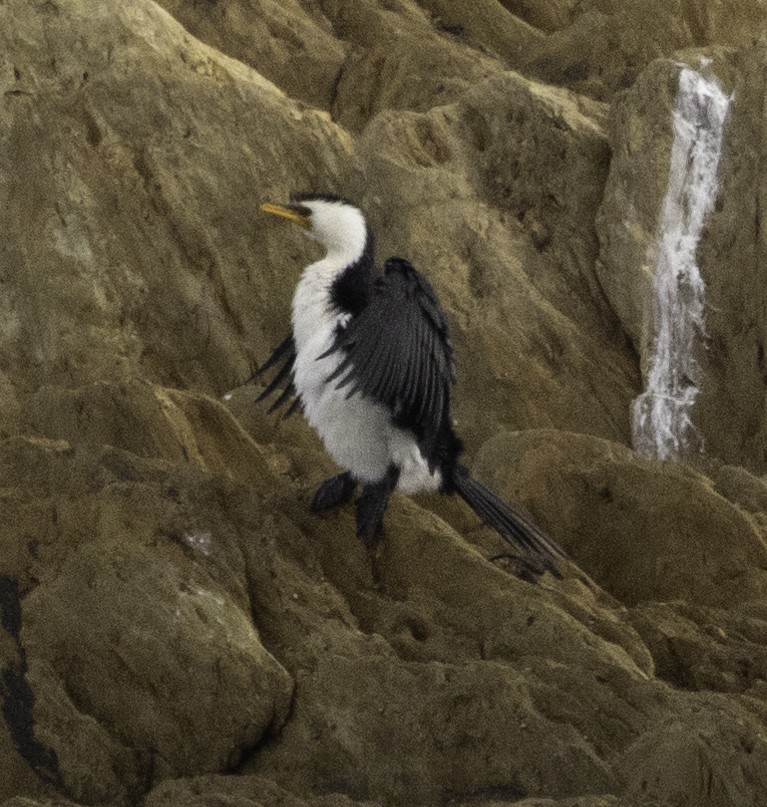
(290, 212)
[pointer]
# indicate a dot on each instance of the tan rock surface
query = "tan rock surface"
(607, 43)
(731, 250)
(175, 627)
(247, 791)
(645, 531)
(296, 50)
(187, 678)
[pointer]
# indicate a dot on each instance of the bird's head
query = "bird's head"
(336, 223)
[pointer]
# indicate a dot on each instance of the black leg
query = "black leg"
(371, 507)
(334, 492)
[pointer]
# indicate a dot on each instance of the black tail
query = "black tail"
(513, 527)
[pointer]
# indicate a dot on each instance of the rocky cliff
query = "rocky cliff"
(175, 627)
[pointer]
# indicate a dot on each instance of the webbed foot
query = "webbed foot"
(334, 492)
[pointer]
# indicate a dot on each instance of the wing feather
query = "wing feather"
(286, 350)
(397, 351)
(283, 356)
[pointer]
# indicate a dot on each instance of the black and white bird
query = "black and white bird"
(370, 362)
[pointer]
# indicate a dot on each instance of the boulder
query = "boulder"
(120, 202)
(140, 669)
(645, 530)
(729, 346)
(603, 45)
(296, 50)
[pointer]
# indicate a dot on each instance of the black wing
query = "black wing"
(397, 350)
(284, 356)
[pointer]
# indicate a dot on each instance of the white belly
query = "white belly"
(357, 433)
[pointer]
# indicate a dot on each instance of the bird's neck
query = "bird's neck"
(332, 289)
(313, 308)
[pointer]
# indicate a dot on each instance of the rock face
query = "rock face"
(730, 351)
(175, 627)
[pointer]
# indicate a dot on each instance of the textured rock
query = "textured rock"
(20, 801)
(732, 388)
(121, 194)
(175, 627)
(247, 791)
(607, 44)
(187, 686)
(295, 50)
(645, 530)
(488, 25)
(545, 16)
(139, 663)
(705, 648)
(700, 775)
(401, 57)
(352, 59)
(425, 699)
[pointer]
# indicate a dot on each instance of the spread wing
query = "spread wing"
(397, 351)
(283, 356)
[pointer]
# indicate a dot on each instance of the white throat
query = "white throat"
(340, 228)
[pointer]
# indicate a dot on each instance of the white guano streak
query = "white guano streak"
(662, 423)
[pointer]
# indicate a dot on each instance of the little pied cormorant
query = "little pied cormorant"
(370, 362)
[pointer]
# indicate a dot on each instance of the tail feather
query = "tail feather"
(508, 522)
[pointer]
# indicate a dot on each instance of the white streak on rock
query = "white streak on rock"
(662, 423)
